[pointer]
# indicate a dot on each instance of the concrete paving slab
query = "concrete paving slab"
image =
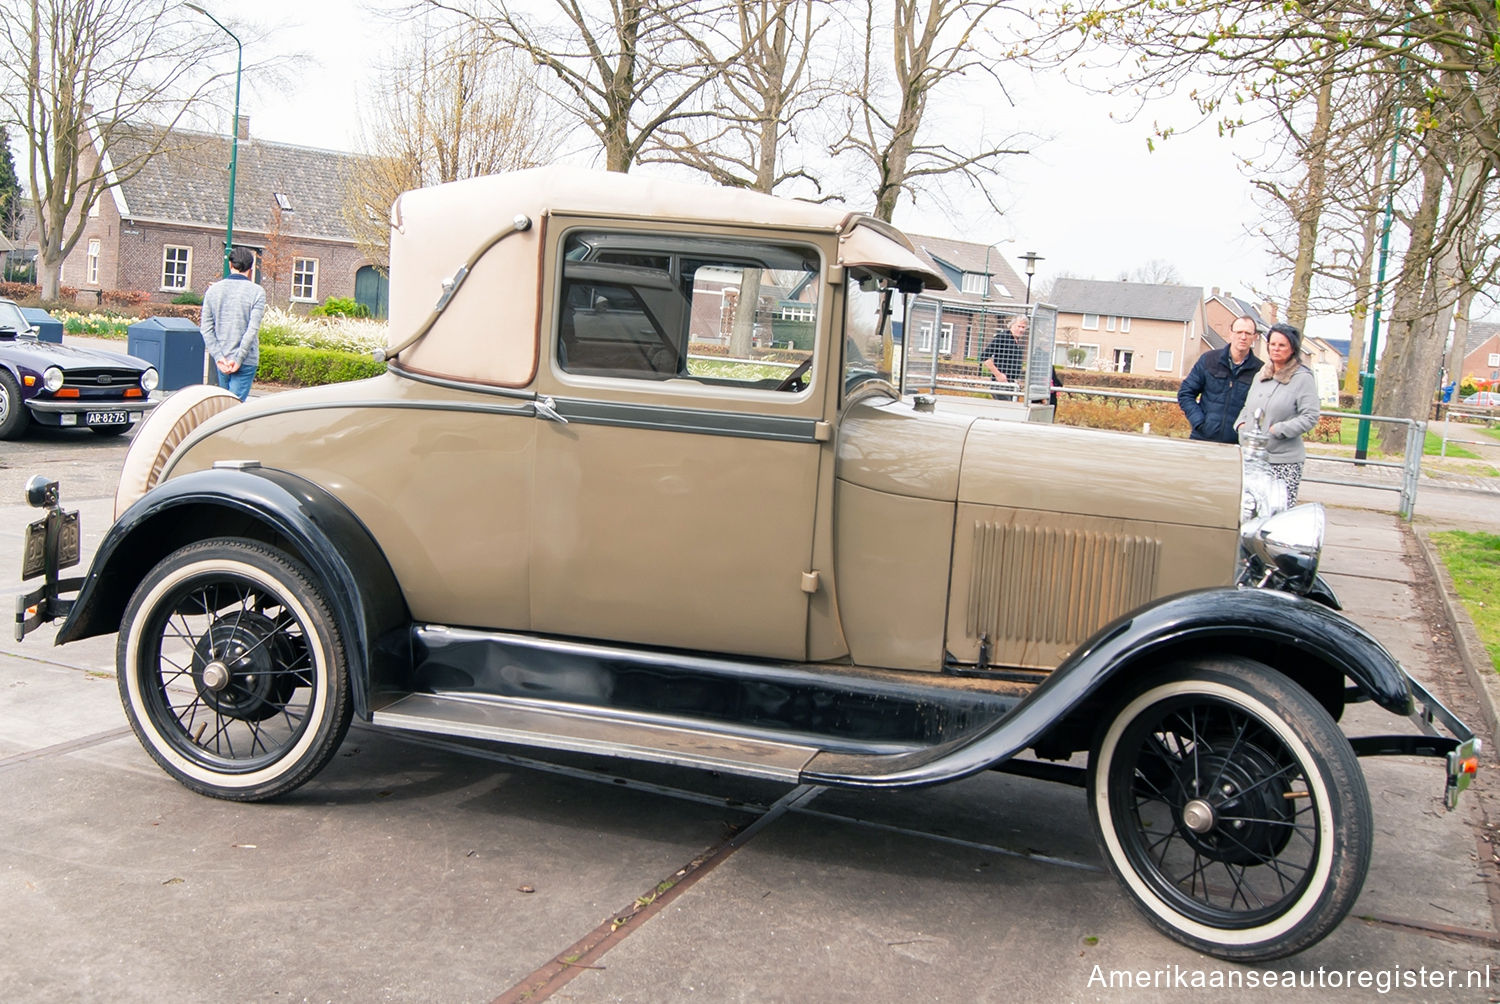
(399, 874)
(813, 911)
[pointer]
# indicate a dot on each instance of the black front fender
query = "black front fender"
(274, 507)
(1325, 645)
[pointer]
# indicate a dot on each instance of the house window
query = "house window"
(974, 283)
(1124, 324)
(176, 267)
(1109, 323)
(1123, 359)
(305, 279)
(1494, 359)
(1091, 322)
(945, 339)
(93, 262)
(282, 202)
(796, 312)
(1164, 359)
(1078, 357)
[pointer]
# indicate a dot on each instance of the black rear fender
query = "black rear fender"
(275, 508)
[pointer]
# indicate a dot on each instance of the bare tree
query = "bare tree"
(276, 257)
(623, 70)
(79, 75)
(750, 112)
(449, 106)
(1156, 272)
(932, 44)
(1249, 56)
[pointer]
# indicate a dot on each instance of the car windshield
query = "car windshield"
(869, 349)
(11, 319)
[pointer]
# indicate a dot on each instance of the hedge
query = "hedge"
(297, 366)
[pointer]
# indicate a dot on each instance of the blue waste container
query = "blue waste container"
(174, 345)
(48, 328)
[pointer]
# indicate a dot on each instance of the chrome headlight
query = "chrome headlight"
(149, 379)
(1286, 546)
(52, 379)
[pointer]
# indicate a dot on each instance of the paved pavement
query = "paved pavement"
(411, 872)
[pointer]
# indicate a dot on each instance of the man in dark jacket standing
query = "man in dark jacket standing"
(1214, 392)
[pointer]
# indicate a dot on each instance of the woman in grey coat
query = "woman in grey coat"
(1285, 392)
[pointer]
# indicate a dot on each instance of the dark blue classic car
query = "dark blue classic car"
(65, 385)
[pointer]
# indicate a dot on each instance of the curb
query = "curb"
(1477, 666)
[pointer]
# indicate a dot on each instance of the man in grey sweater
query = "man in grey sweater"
(232, 309)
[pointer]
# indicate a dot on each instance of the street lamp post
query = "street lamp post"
(234, 134)
(1030, 258)
(986, 294)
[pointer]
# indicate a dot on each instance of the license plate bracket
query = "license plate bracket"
(66, 549)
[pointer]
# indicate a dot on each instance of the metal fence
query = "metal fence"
(1489, 416)
(944, 342)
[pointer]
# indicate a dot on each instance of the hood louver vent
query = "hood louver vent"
(1042, 587)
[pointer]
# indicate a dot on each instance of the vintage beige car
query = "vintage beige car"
(580, 513)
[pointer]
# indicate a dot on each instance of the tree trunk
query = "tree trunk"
(1410, 363)
(743, 333)
(1311, 209)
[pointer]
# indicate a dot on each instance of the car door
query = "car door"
(677, 483)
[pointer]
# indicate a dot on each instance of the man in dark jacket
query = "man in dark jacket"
(1214, 392)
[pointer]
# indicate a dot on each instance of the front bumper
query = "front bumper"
(74, 411)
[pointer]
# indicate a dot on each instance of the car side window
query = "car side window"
(717, 312)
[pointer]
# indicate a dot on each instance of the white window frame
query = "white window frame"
(187, 268)
(1090, 325)
(1163, 354)
(1109, 322)
(1124, 325)
(974, 282)
(1090, 356)
(92, 259)
(1125, 356)
(945, 339)
(312, 295)
(1494, 359)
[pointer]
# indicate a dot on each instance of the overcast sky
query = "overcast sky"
(1091, 198)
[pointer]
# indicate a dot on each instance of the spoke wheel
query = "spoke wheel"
(1232, 808)
(232, 671)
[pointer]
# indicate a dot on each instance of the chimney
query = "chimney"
(1268, 311)
(242, 127)
(1215, 292)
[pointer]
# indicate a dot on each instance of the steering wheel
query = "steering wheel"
(794, 378)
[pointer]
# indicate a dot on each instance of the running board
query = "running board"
(529, 724)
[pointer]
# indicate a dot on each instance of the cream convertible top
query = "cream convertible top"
(487, 332)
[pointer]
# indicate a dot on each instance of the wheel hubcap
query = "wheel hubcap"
(238, 667)
(1198, 816)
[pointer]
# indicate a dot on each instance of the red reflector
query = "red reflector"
(1470, 766)
(68, 392)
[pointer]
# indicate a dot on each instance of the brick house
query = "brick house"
(1128, 327)
(983, 290)
(162, 231)
(1482, 361)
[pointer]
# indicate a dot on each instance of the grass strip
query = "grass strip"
(1473, 562)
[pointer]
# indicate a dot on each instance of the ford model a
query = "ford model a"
(588, 508)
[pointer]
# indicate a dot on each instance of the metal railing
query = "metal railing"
(1489, 416)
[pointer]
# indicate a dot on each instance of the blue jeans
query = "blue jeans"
(238, 382)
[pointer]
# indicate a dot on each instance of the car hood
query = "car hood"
(38, 355)
(889, 446)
